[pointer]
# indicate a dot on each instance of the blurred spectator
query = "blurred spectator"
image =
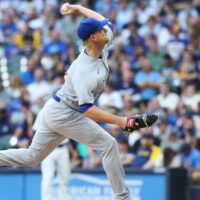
(131, 39)
(171, 158)
(105, 6)
(148, 156)
(152, 27)
(48, 64)
(125, 156)
(49, 22)
(143, 12)
(55, 45)
(196, 118)
(18, 93)
(190, 156)
(110, 98)
(140, 51)
(40, 88)
(129, 108)
(71, 55)
(27, 75)
(8, 27)
(124, 14)
(155, 55)
(135, 139)
(28, 41)
(149, 28)
(190, 97)
(177, 43)
(56, 162)
(56, 77)
(12, 51)
(187, 11)
(6, 128)
(16, 87)
(196, 177)
(187, 127)
(166, 97)
(169, 74)
(148, 80)
(172, 141)
(187, 68)
(23, 132)
(73, 21)
(125, 83)
(162, 130)
(153, 106)
(168, 68)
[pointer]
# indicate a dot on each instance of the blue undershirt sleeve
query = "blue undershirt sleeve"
(85, 107)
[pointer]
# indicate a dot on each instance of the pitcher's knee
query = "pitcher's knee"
(32, 163)
(111, 144)
(114, 143)
(32, 160)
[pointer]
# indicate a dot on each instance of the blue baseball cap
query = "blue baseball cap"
(89, 26)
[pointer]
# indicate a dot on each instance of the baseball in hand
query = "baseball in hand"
(64, 8)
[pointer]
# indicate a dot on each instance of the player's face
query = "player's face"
(101, 36)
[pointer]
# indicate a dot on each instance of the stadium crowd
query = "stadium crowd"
(154, 67)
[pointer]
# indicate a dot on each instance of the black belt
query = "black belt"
(56, 98)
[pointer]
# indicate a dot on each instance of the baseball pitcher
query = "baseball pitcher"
(71, 113)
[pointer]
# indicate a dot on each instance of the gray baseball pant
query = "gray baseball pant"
(66, 122)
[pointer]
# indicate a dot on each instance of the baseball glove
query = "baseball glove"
(140, 121)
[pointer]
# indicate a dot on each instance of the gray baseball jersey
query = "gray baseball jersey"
(86, 77)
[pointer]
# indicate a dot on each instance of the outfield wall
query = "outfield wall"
(24, 184)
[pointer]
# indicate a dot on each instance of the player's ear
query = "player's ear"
(93, 37)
